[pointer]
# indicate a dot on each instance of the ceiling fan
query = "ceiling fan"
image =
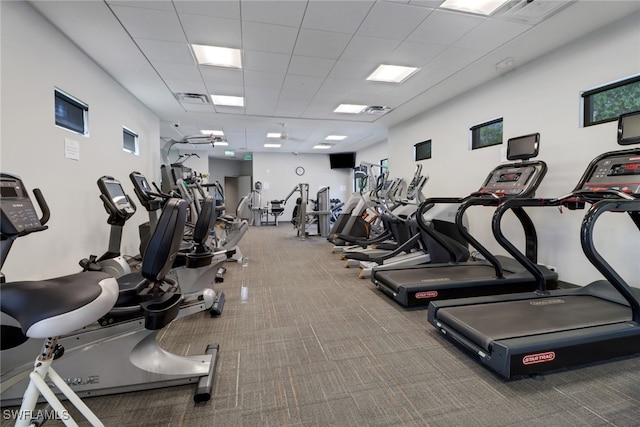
(284, 135)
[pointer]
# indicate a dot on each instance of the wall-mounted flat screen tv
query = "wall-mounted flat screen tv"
(422, 150)
(342, 160)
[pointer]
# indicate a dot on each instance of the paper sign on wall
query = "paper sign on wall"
(71, 149)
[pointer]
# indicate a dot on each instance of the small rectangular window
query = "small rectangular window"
(71, 113)
(129, 141)
(422, 150)
(486, 134)
(606, 103)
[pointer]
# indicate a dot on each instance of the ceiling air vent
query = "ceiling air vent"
(531, 11)
(376, 110)
(193, 98)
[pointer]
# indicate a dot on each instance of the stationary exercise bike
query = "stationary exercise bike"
(46, 309)
(120, 208)
(120, 352)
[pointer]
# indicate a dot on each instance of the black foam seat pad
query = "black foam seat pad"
(30, 302)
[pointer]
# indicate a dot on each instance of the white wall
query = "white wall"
(542, 96)
(373, 154)
(35, 59)
(277, 172)
(219, 168)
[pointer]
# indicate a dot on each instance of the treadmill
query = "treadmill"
(535, 332)
(416, 286)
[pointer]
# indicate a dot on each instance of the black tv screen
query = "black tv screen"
(629, 128)
(523, 147)
(342, 160)
(422, 150)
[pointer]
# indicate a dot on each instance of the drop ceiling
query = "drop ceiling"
(301, 59)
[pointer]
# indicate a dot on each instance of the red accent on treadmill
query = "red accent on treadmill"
(532, 359)
(426, 294)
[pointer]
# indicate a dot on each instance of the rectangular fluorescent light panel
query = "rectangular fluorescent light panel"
(350, 108)
(391, 73)
(335, 137)
(274, 135)
(268, 145)
(480, 7)
(229, 153)
(232, 101)
(221, 144)
(217, 56)
(212, 132)
(321, 147)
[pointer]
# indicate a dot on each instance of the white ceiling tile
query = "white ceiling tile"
(444, 28)
(414, 53)
(426, 3)
(221, 109)
(265, 61)
(158, 5)
(296, 95)
(197, 108)
(158, 50)
(260, 106)
(219, 8)
(212, 31)
(491, 34)
(268, 38)
(287, 13)
(261, 78)
(322, 44)
(340, 16)
(187, 86)
(221, 75)
(371, 49)
(150, 23)
(355, 70)
(392, 20)
(173, 71)
(339, 85)
(302, 83)
(308, 66)
(262, 92)
(217, 88)
(290, 108)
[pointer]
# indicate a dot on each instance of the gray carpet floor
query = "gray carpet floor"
(310, 344)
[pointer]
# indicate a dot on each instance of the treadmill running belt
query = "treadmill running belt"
(510, 319)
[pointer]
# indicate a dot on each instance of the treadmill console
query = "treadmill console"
(18, 214)
(514, 180)
(616, 171)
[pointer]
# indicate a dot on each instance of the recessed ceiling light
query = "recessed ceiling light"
(480, 7)
(391, 73)
(274, 135)
(221, 144)
(212, 132)
(268, 145)
(321, 147)
(232, 101)
(335, 137)
(229, 153)
(350, 108)
(217, 56)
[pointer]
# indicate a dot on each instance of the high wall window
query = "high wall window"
(129, 141)
(71, 113)
(486, 134)
(606, 103)
(422, 150)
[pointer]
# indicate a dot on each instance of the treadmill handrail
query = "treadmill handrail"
(588, 247)
(528, 264)
(479, 201)
(425, 206)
